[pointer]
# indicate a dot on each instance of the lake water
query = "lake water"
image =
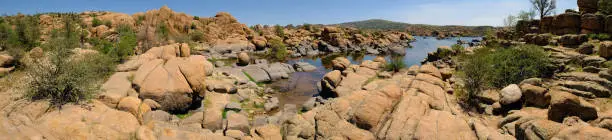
(303, 85)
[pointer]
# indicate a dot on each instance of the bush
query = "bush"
(457, 48)
(127, 42)
(108, 23)
(196, 36)
(396, 64)
(96, 22)
(163, 31)
(499, 67)
(280, 31)
(602, 36)
(196, 18)
(605, 7)
(64, 77)
(277, 50)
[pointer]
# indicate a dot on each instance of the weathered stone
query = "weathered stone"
(489, 96)
(236, 121)
(271, 104)
(583, 132)
(510, 94)
(243, 59)
(267, 132)
(586, 48)
(340, 63)
(535, 95)
(563, 104)
(413, 70)
(115, 88)
(185, 51)
(6, 60)
(430, 69)
(588, 6)
(134, 106)
(605, 49)
(592, 23)
(257, 74)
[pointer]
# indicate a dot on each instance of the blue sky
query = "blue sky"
(437, 12)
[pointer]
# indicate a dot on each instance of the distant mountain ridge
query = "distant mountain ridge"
(418, 29)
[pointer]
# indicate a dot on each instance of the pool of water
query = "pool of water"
(303, 85)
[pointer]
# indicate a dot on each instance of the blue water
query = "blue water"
(420, 47)
(303, 85)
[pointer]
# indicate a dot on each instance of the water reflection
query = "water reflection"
(302, 85)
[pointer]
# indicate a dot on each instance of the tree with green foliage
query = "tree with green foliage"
(510, 21)
(96, 22)
(280, 31)
(277, 50)
(127, 42)
(526, 15)
(498, 67)
(163, 31)
(396, 64)
(65, 77)
(605, 7)
(544, 7)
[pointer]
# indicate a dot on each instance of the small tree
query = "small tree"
(278, 49)
(396, 63)
(127, 42)
(510, 21)
(62, 76)
(96, 22)
(605, 7)
(544, 7)
(526, 15)
(280, 31)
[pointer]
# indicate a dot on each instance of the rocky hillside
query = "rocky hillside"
(222, 35)
(419, 29)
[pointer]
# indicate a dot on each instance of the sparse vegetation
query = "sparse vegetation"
(602, 36)
(64, 76)
(280, 31)
(277, 50)
(96, 22)
(127, 42)
(396, 64)
(458, 49)
(544, 7)
(605, 7)
(499, 67)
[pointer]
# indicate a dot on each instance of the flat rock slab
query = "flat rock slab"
(303, 66)
(258, 74)
(235, 72)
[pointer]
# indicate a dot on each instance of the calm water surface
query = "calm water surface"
(303, 85)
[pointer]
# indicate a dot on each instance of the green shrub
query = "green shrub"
(277, 50)
(443, 53)
(196, 18)
(108, 23)
(163, 31)
(196, 36)
(127, 42)
(605, 7)
(140, 19)
(280, 31)
(396, 64)
(457, 48)
(499, 67)
(602, 36)
(96, 22)
(64, 77)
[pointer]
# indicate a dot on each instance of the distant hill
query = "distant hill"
(418, 29)
(376, 24)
